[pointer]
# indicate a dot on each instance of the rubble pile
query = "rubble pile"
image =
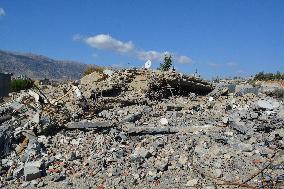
(141, 129)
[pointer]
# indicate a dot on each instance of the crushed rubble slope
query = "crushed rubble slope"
(142, 129)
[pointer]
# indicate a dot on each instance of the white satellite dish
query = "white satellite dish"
(148, 64)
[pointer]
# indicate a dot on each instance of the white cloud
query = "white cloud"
(2, 12)
(184, 60)
(214, 65)
(159, 56)
(107, 42)
(232, 64)
(150, 55)
(94, 55)
(240, 71)
(77, 37)
(119, 65)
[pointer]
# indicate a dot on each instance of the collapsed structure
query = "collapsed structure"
(5, 84)
(141, 128)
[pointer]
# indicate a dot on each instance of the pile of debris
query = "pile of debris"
(142, 129)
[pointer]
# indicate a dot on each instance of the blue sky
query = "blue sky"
(222, 37)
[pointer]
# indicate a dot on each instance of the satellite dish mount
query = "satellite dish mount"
(148, 64)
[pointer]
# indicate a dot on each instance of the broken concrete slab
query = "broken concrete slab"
(150, 130)
(166, 84)
(242, 90)
(133, 117)
(18, 172)
(32, 170)
(219, 90)
(35, 95)
(5, 139)
(88, 125)
(267, 104)
(241, 127)
(77, 91)
(5, 118)
(173, 108)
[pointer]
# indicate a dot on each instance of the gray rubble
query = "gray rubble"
(142, 129)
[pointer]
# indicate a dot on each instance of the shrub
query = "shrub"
(279, 93)
(21, 84)
(166, 65)
(92, 69)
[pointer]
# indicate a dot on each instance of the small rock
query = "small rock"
(241, 127)
(183, 160)
(164, 121)
(152, 175)
(246, 147)
(162, 164)
(192, 182)
(25, 184)
(8, 178)
(34, 183)
(143, 152)
(58, 178)
(254, 115)
(281, 112)
(210, 187)
(68, 183)
(41, 184)
(225, 120)
(218, 173)
(36, 118)
(72, 156)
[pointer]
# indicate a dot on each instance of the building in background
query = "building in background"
(5, 84)
(44, 81)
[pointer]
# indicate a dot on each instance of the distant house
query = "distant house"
(5, 84)
(44, 81)
(22, 77)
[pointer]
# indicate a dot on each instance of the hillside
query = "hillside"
(38, 66)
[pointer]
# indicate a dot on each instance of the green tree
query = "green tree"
(261, 76)
(21, 84)
(166, 65)
(278, 76)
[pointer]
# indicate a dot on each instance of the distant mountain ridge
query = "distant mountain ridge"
(39, 66)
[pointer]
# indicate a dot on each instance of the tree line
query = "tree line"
(261, 76)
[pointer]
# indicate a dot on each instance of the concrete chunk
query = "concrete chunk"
(88, 125)
(5, 139)
(133, 117)
(18, 172)
(151, 130)
(267, 105)
(32, 170)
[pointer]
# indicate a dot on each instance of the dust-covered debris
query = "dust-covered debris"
(140, 128)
